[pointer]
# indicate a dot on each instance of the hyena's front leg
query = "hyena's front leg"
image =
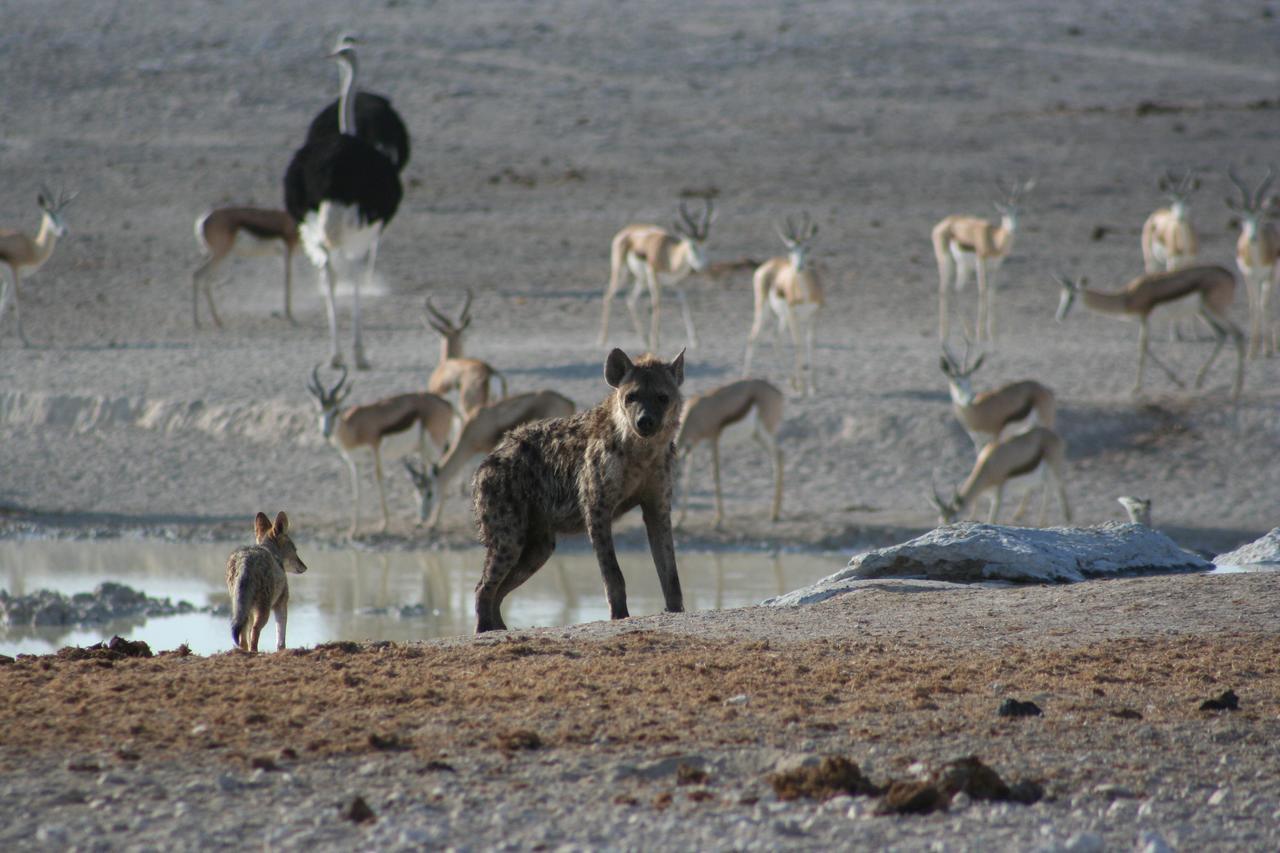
(600, 532)
(657, 524)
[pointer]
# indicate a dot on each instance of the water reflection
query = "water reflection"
(360, 595)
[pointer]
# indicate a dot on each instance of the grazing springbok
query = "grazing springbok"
(1023, 453)
(246, 232)
(1204, 292)
(984, 416)
(1168, 240)
(481, 432)
(794, 292)
(1258, 257)
(708, 415)
(1139, 509)
(22, 252)
(657, 257)
(469, 376)
(374, 425)
(965, 243)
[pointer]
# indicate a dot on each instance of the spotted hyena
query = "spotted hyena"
(568, 475)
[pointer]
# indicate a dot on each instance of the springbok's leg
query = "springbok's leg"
(382, 490)
(615, 281)
(688, 318)
(996, 498)
(355, 496)
(770, 444)
(685, 469)
(715, 476)
(633, 302)
(984, 309)
(655, 307)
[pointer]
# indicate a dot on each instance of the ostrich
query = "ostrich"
(342, 192)
(377, 123)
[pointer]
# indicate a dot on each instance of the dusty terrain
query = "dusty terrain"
(538, 131)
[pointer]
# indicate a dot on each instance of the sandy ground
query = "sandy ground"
(539, 132)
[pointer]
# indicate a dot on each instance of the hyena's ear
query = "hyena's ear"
(677, 368)
(282, 524)
(261, 525)
(616, 366)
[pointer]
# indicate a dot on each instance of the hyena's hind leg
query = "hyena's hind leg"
(538, 548)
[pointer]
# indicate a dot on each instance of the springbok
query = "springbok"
(794, 292)
(246, 232)
(984, 416)
(1204, 292)
(1258, 257)
(1139, 509)
(964, 243)
(657, 257)
(481, 432)
(470, 376)
(375, 424)
(22, 252)
(1168, 240)
(1023, 453)
(708, 415)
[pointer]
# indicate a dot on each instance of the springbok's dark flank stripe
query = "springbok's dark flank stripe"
(1028, 467)
(408, 420)
(1020, 413)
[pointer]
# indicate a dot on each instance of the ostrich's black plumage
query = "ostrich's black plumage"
(377, 123)
(343, 170)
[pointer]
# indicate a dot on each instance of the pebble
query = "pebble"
(1152, 842)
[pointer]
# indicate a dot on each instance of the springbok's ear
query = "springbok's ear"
(282, 524)
(677, 368)
(261, 525)
(616, 366)
(978, 363)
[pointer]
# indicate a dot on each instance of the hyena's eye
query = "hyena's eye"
(663, 399)
(631, 398)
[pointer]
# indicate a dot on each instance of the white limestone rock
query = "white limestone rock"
(970, 552)
(1260, 551)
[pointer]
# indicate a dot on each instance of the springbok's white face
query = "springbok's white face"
(328, 416)
(798, 254)
(1068, 297)
(1249, 224)
(1008, 216)
(53, 213)
(1179, 209)
(697, 253)
(426, 485)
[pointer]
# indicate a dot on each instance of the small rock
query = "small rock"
(912, 798)
(740, 699)
(358, 811)
(1219, 796)
(1112, 792)
(834, 775)
(1151, 841)
(1227, 701)
(1015, 708)
(1085, 842)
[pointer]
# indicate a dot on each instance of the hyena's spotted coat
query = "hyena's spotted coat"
(579, 473)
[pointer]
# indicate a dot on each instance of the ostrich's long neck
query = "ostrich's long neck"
(347, 97)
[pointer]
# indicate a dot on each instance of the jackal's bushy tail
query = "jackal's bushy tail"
(239, 610)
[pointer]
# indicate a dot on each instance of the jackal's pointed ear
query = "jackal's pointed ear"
(261, 525)
(616, 366)
(282, 524)
(677, 368)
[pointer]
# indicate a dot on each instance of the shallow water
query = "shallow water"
(357, 595)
